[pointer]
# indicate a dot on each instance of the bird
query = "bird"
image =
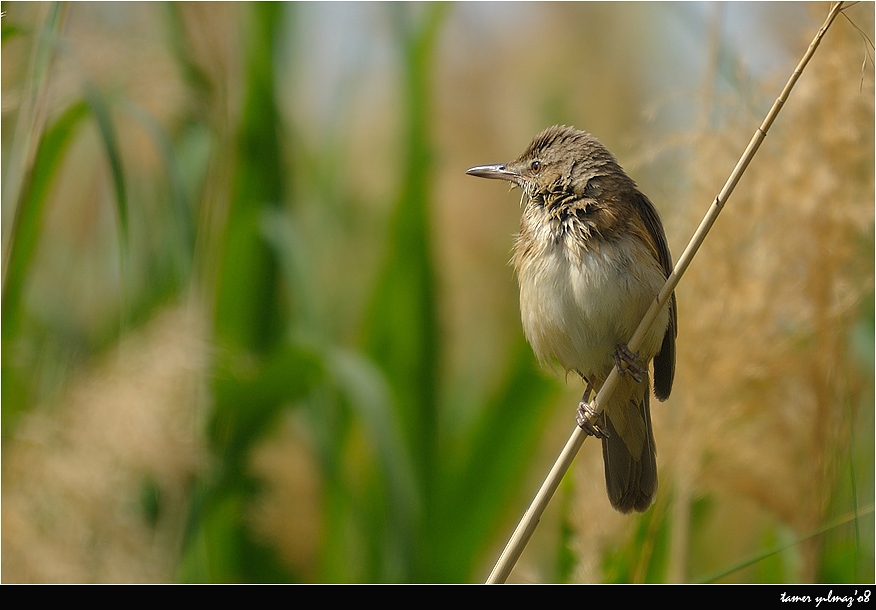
(590, 258)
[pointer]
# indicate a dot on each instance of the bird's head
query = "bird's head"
(560, 161)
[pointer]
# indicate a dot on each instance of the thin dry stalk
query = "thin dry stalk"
(531, 517)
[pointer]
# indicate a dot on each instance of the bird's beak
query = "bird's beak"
(497, 172)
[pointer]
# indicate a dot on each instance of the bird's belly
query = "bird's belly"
(576, 307)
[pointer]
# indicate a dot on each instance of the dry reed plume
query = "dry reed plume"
(769, 387)
(75, 474)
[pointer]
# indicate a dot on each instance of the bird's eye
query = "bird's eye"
(535, 166)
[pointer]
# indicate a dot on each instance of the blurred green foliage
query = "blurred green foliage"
(426, 504)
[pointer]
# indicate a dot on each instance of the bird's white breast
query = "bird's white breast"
(577, 304)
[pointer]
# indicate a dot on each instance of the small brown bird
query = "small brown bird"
(590, 258)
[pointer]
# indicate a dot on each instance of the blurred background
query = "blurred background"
(259, 326)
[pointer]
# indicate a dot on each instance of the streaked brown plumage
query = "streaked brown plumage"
(590, 258)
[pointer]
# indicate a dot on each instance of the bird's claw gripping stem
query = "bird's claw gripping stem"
(628, 362)
(590, 421)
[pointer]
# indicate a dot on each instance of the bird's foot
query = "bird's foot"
(590, 421)
(628, 362)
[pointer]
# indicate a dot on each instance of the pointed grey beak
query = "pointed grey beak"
(497, 172)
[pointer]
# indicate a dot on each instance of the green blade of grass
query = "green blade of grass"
(26, 231)
(764, 555)
(258, 372)
(101, 111)
(31, 118)
(247, 315)
(24, 240)
(481, 478)
(182, 227)
(401, 330)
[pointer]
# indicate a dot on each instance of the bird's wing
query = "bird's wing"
(664, 362)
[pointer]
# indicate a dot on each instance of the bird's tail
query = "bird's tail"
(630, 456)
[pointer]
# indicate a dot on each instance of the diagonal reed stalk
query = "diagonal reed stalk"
(531, 517)
(848, 518)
